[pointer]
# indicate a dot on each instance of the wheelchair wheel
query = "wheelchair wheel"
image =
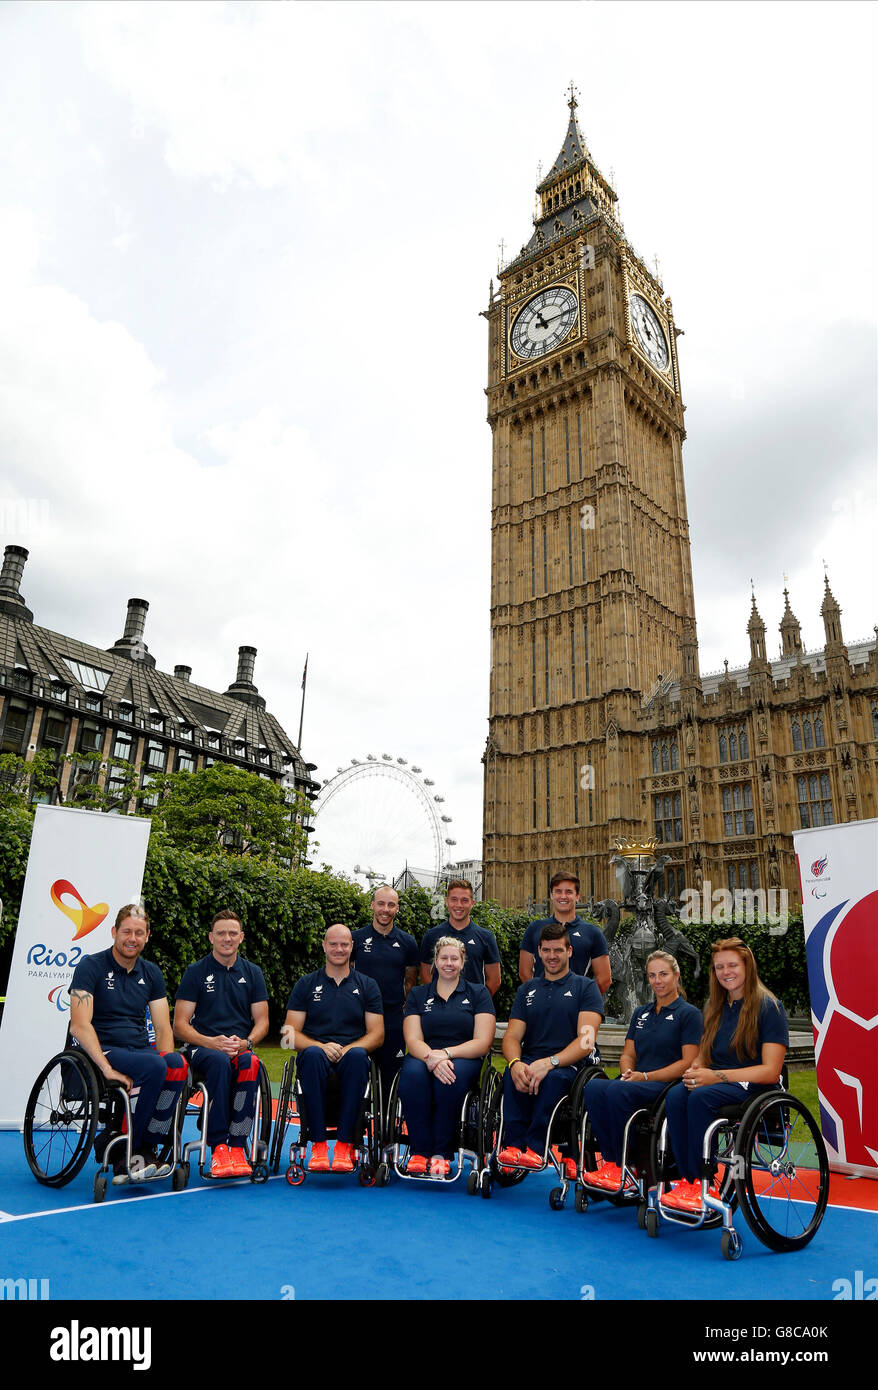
(490, 1125)
(393, 1134)
(284, 1113)
(61, 1119)
(785, 1183)
(265, 1107)
(732, 1245)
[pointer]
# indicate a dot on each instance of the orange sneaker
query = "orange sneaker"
(568, 1167)
(508, 1157)
(319, 1160)
(342, 1158)
(221, 1162)
(530, 1159)
(607, 1175)
(240, 1163)
(439, 1167)
(417, 1166)
(685, 1196)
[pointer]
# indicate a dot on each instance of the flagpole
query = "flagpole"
(302, 714)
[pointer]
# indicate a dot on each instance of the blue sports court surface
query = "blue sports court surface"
(332, 1239)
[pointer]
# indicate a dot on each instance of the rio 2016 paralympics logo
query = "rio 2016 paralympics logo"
(84, 919)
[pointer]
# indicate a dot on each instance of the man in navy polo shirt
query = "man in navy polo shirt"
(389, 956)
(221, 1011)
(551, 1031)
(482, 953)
(109, 996)
(334, 1020)
(590, 949)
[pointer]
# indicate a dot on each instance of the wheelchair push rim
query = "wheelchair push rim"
(61, 1118)
(783, 1185)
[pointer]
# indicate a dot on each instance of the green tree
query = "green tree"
(21, 779)
(224, 810)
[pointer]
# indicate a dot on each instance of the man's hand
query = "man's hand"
(537, 1071)
(521, 1076)
(119, 1077)
(333, 1050)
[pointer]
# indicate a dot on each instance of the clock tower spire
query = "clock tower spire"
(591, 593)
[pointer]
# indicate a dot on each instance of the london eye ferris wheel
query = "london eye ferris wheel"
(378, 816)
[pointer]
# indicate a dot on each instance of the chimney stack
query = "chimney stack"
(131, 643)
(183, 673)
(242, 688)
(246, 663)
(11, 602)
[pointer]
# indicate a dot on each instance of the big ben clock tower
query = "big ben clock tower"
(591, 583)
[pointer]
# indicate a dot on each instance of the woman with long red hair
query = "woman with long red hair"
(742, 1052)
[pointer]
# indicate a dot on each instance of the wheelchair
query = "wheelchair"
(470, 1145)
(562, 1144)
(68, 1100)
(639, 1151)
(771, 1160)
(196, 1101)
(371, 1167)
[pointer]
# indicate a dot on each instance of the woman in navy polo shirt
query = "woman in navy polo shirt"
(448, 1028)
(662, 1042)
(742, 1052)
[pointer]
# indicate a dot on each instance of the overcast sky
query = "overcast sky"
(243, 251)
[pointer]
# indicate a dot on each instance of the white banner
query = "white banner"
(82, 867)
(838, 872)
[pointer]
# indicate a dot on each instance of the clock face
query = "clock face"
(544, 322)
(649, 333)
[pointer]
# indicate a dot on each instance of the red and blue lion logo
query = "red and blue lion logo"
(842, 953)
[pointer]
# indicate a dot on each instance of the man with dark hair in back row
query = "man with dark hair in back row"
(221, 1012)
(482, 953)
(590, 952)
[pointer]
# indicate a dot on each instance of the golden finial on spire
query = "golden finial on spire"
(572, 103)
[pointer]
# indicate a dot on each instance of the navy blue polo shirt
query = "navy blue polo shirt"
(659, 1035)
(481, 948)
(446, 1022)
(772, 1028)
(222, 995)
(586, 938)
(335, 1012)
(550, 1011)
(385, 960)
(120, 997)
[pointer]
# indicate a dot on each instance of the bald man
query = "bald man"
(389, 956)
(334, 1020)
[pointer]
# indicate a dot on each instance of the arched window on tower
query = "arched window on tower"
(819, 738)
(807, 735)
(797, 736)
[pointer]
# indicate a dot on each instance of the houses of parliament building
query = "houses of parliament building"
(600, 725)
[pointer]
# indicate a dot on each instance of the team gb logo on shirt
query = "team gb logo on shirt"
(208, 980)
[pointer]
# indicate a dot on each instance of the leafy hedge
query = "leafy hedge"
(285, 915)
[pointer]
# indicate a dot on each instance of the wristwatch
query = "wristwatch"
(556, 1061)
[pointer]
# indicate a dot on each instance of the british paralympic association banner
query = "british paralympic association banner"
(82, 867)
(838, 874)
